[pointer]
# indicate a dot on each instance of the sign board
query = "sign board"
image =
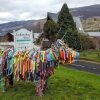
(23, 39)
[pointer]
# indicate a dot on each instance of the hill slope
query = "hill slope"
(86, 12)
(35, 25)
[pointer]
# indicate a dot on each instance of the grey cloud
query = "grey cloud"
(33, 9)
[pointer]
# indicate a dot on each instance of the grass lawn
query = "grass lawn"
(65, 84)
(92, 55)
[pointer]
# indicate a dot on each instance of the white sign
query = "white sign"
(23, 39)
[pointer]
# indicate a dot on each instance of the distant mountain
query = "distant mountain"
(87, 11)
(37, 25)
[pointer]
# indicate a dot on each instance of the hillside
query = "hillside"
(91, 24)
(87, 11)
(37, 25)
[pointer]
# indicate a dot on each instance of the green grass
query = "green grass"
(65, 84)
(92, 55)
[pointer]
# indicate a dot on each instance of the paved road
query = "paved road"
(86, 66)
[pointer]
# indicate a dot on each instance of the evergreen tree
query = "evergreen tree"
(68, 28)
(50, 30)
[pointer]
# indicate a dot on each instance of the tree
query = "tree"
(50, 30)
(86, 42)
(68, 28)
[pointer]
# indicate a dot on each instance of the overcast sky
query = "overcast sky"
(15, 10)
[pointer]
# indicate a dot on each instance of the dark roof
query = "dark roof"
(6, 37)
(53, 16)
(3, 34)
